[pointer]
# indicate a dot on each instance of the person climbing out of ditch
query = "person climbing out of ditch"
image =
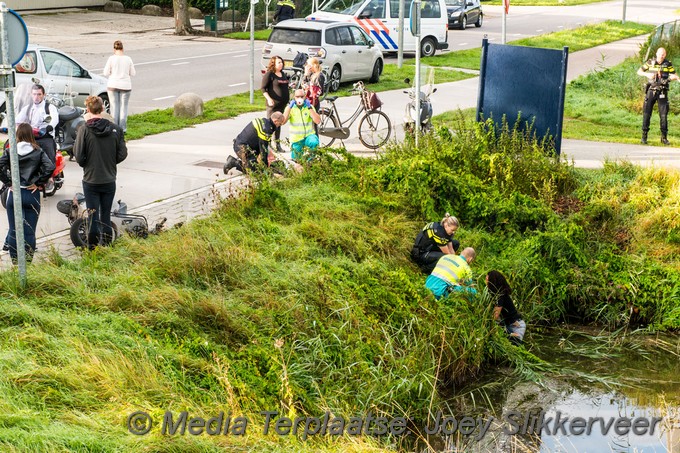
(504, 311)
(452, 274)
(303, 117)
(434, 241)
(252, 144)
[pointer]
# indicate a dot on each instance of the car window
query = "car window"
(360, 39)
(394, 9)
(28, 64)
(342, 6)
(332, 37)
(374, 10)
(455, 2)
(345, 37)
(430, 8)
(295, 36)
(57, 64)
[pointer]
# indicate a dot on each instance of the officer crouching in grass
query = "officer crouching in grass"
(659, 73)
(252, 144)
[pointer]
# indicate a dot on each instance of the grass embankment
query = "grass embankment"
(158, 121)
(300, 296)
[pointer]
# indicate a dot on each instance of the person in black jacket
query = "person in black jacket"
(99, 148)
(251, 146)
(35, 168)
(434, 241)
(504, 311)
(285, 9)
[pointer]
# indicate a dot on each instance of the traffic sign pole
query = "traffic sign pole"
(7, 79)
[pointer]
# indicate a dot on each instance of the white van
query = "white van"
(380, 19)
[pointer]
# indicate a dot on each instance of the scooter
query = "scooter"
(422, 114)
(71, 119)
(78, 216)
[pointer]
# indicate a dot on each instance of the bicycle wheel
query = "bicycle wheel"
(328, 120)
(374, 129)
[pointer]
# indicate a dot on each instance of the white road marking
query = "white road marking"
(236, 84)
(164, 97)
(239, 56)
(177, 64)
(539, 30)
(189, 58)
(463, 44)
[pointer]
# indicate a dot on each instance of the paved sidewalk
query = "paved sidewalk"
(189, 162)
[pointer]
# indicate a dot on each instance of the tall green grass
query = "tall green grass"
(300, 297)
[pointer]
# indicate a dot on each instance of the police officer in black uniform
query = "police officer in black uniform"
(252, 144)
(285, 9)
(659, 73)
(434, 241)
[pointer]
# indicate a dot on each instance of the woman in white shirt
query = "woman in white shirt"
(119, 69)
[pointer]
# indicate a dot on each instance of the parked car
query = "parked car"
(60, 74)
(464, 12)
(344, 49)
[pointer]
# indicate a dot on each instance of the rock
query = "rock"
(195, 13)
(152, 10)
(188, 105)
(227, 16)
(114, 7)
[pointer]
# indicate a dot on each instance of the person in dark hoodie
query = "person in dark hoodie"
(35, 168)
(99, 148)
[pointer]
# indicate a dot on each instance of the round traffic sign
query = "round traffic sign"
(17, 37)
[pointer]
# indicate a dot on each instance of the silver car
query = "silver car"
(344, 49)
(60, 74)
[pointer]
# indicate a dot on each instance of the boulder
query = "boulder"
(188, 105)
(152, 10)
(195, 13)
(114, 7)
(227, 16)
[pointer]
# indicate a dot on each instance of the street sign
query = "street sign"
(415, 18)
(17, 36)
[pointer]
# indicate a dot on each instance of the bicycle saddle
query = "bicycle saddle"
(331, 98)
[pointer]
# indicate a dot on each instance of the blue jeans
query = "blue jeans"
(310, 141)
(99, 200)
(119, 107)
(30, 205)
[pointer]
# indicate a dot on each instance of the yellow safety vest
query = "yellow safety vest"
(301, 124)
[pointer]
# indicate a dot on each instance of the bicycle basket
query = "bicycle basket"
(371, 100)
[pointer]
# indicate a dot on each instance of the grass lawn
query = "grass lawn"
(577, 39)
(261, 35)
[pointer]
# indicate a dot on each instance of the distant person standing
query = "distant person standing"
(285, 9)
(659, 73)
(35, 168)
(275, 90)
(119, 69)
(99, 148)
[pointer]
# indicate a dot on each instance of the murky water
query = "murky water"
(606, 393)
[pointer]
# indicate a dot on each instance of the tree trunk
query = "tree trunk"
(182, 22)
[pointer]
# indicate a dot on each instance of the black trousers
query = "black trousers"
(652, 97)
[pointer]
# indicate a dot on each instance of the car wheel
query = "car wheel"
(377, 70)
(105, 100)
(427, 47)
(334, 84)
(479, 21)
(463, 23)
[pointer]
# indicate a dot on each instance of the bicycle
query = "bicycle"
(374, 129)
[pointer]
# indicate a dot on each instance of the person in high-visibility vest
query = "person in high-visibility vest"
(302, 116)
(285, 9)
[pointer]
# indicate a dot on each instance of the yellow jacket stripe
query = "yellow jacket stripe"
(259, 128)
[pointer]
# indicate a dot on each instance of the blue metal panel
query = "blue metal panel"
(524, 80)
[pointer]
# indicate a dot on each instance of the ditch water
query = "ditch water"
(626, 388)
